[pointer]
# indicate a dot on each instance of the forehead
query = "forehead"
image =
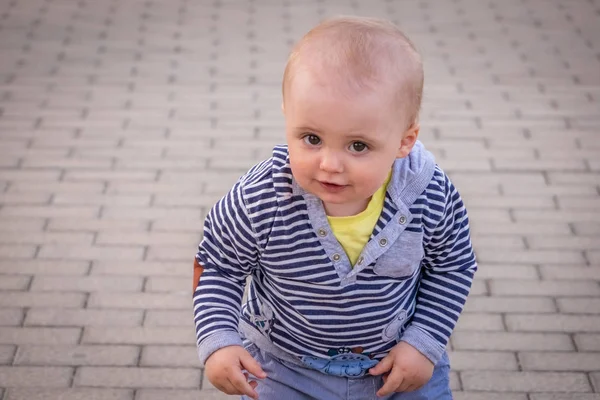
(323, 101)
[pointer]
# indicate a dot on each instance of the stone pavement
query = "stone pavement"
(123, 121)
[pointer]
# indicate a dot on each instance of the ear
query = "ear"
(409, 138)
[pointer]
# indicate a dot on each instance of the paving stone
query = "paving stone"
(510, 304)
(20, 224)
(144, 335)
(145, 268)
(172, 356)
(57, 187)
(511, 341)
(13, 198)
(149, 394)
(147, 238)
(575, 216)
(483, 360)
(11, 251)
(29, 335)
(29, 299)
(587, 341)
(587, 228)
(82, 317)
(570, 273)
(479, 322)
(595, 376)
(97, 225)
(543, 288)
(151, 213)
(44, 267)
(119, 377)
(553, 323)
(500, 271)
(525, 381)
(16, 282)
(61, 252)
(69, 394)
(166, 284)
(77, 355)
(159, 301)
(87, 284)
(46, 237)
(7, 353)
(559, 361)
(564, 242)
(579, 305)
(488, 396)
(564, 396)
(488, 255)
(167, 318)
(13, 376)
(48, 211)
(11, 316)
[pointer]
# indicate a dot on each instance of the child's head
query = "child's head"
(351, 95)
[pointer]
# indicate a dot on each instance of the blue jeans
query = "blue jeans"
(291, 382)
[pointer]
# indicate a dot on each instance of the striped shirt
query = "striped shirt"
(410, 282)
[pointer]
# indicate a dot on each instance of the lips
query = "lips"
(331, 183)
(332, 187)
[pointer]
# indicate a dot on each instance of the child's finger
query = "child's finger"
(242, 386)
(382, 366)
(405, 386)
(251, 365)
(253, 383)
(394, 380)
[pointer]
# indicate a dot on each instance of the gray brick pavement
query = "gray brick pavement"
(122, 122)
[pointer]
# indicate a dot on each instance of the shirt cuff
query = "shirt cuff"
(421, 340)
(217, 341)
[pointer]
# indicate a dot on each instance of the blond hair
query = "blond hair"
(359, 53)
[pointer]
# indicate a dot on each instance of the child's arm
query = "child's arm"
(449, 266)
(227, 254)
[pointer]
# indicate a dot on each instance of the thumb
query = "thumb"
(382, 366)
(251, 365)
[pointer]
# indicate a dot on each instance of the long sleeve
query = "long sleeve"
(449, 265)
(227, 254)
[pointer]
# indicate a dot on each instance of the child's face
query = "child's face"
(342, 147)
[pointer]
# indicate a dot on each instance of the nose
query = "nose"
(331, 162)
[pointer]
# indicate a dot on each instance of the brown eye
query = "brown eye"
(313, 140)
(358, 147)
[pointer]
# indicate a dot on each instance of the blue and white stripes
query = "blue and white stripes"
(306, 302)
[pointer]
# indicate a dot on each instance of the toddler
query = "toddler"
(356, 241)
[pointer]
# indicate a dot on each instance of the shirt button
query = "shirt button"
(360, 261)
(402, 219)
(383, 242)
(336, 257)
(322, 232)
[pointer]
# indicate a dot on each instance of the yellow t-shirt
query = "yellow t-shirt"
(353, 232)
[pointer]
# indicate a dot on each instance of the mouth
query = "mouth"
(332, 187)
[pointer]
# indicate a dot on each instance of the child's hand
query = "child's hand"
(224, 370)
(409, 370)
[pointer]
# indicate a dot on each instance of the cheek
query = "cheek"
(300, 162)
(369, 177)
